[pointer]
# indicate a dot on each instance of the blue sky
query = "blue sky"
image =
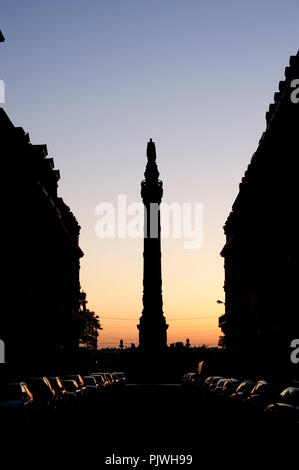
(94, 80)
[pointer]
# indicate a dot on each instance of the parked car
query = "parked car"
(230, 386)
(286, 408)
(211, 382)
(16, 403)
(206, 383)
(108, 378)
(79, 380)
(91, 385)
(44, 396)
(261, 395)
(185, 380)
(112, 380)
(59, 389)
(218, 387)
(243, 390)
(74, 392)
(120, 376)
(101, 380)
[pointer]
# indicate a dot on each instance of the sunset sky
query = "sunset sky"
(95, 79)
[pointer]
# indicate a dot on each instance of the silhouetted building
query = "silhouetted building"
(152, 326)
(261, 251)
(41, 321)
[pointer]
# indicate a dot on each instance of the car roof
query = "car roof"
(11, 383)
(35, 379)
(291, 389)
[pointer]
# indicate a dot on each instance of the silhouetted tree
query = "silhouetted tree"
(89, 325)
(121, 344)
(90, 331)
(222, 342)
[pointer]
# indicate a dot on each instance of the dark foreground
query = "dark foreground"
(151, 420)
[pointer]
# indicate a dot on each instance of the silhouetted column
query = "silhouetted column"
(152, 326)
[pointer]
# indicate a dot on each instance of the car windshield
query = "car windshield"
(228, 384)
(290, 395)
(37, 385)
(77, 379)
(55, 383)
(71, 385)
(41, 386)
(261, 388)
(215, 380)
(89, 381)
(100, 379)
(245, 387)
(220, 383)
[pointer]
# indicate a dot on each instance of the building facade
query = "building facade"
(41, 321)
(261, 251)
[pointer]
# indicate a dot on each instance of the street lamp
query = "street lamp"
(220, 302)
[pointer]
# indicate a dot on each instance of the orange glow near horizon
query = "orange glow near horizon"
(192, 282)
